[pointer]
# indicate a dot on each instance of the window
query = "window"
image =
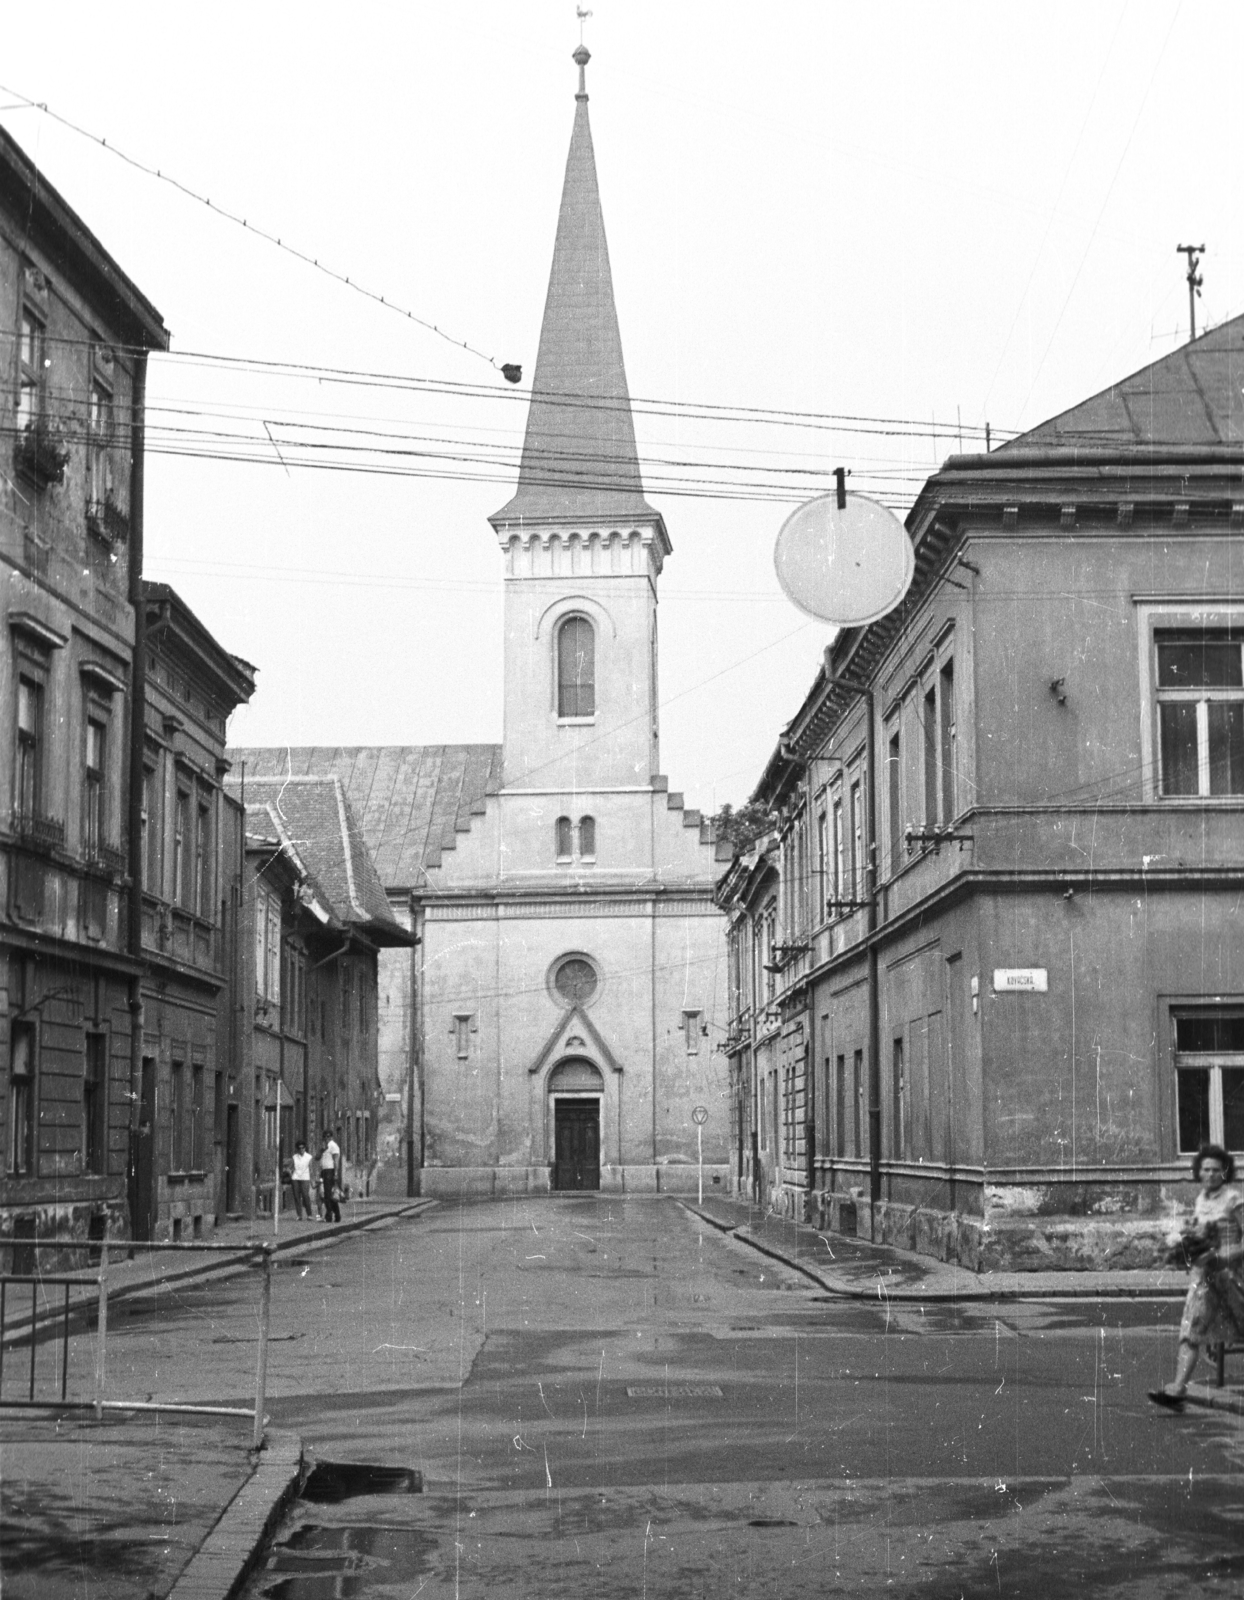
(894, 774)
(177, 1111)
(858, 1067)
(267, 945)
(28, 779)
(151, 831)
(99, 462)
(203, 858)
(196, 1118)
(929, 725)
(93, 788)
(95, 1104)
(946, 737)
(691, 1031)
(576, 668)
(824, 891)
(21, 1162)
(30, 374)
(899, 1105)
(575, 981)
(840, 1106)
(838, 886)
(1200, 677)
(295, 991)
(857, 844)
(1209, 1079)
(181, 847)
(576, 841)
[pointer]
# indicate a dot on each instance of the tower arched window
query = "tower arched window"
(587, 837)
(565, 839)
(576, 668)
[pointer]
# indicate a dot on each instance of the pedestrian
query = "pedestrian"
(1213, 1249)
(301, 1181)
(330, 1166)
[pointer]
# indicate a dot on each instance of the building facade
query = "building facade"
(315, 919)
(559, 1024)
(1006, 1001)
(184, 1173)
(76, 332)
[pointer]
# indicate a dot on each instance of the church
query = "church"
(555, 1025)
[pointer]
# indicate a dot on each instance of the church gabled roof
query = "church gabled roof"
(1189, 398)
(579, 461)
(411, 801)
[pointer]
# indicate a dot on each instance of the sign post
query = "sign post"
(700, 1116)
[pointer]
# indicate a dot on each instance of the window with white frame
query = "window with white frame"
(1199, 676)
(1209, 1078)
(267, 945)
(30, 370)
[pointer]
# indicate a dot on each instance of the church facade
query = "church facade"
(556, 1024)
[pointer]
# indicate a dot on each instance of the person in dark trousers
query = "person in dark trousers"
(301, 1183)
(330, 1167)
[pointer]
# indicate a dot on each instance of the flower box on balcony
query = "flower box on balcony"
(42, 454)
(107, 522)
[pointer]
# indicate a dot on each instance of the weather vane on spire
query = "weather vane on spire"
(582, 16)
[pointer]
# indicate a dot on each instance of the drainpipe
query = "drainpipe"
(865, 691)
(134, 808)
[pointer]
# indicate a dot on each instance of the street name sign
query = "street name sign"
(1021, 980)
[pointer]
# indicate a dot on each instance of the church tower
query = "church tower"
(583, 548)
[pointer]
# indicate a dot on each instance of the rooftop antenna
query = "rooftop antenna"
(1194, 252)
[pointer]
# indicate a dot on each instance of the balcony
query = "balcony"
(106, 522)
(108, 859)
(42, 454)
(39, 832)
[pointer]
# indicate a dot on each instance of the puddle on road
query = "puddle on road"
(318, 1563)
(331, 1482)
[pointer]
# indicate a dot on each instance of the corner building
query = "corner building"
(557, 1027)
(988, 963)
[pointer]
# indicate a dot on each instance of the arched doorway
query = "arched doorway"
(575, 1088)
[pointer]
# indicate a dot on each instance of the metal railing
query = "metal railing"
(48, 1317)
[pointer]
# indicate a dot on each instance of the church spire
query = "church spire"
(579, 462)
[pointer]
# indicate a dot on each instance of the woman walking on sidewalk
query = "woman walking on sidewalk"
(301, 1181)
(1214, 1248)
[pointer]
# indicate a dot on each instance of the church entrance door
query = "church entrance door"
(576, 1144)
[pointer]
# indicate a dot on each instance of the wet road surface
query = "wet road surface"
(611, 1398)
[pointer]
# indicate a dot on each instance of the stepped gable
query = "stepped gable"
(579, 462)
(411, 801)
(1189, 398)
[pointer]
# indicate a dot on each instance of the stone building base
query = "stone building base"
(994, 1244)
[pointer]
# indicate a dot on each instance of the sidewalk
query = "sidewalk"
(855, 1269)
(140, 1506)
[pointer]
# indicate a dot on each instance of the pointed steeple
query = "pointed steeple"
(579, 462)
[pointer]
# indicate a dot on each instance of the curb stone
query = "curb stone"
(218, 1568)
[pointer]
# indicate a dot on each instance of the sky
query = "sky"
(841, 235)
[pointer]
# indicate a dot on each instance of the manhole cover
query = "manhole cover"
(673, 1391)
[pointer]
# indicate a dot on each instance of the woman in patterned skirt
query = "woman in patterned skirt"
(1215, 1248)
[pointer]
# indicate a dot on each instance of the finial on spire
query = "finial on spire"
(582, 56)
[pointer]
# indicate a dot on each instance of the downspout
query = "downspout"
(134, 808)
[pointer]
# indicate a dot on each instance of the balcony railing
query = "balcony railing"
(41, 454)
(44, 833)
(107, 522)
(108, 858)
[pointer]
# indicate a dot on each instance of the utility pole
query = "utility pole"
(1194, 252)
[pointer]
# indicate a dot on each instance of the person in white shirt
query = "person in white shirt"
(301, 1182)
(330, 1168)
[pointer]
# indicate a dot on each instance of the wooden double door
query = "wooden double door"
(576, 1144)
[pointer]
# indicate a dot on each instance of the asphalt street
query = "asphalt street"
(611, 1398)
